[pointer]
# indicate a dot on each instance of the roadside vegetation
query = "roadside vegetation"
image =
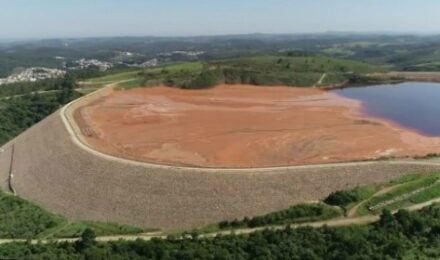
(22, 219)
(404, 235)
(295, 214)
(101, 229)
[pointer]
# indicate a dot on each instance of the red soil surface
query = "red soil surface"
(241, 126)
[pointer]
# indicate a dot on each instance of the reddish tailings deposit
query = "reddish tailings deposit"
(241, 126)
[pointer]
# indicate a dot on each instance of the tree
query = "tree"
(68, 86)
(386, 218)
(88, 239)
(340, 198)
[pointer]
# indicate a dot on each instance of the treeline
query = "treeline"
(294, 214)
(404, 235)
(19, 113)
(21, 88)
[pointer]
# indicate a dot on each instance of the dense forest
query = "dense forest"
(404, 235)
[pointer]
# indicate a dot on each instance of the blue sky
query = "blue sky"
(85, 18)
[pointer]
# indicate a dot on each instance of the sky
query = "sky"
(95, 18)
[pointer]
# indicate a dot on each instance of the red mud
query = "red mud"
(241, 126)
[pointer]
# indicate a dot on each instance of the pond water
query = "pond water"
(413, 105)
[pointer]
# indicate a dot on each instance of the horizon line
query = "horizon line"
(395, 33)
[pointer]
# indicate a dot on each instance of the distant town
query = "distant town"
(32, 75)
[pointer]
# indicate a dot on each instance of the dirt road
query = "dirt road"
(321, 80)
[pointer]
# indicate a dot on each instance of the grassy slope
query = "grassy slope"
(144, 76)
(400, 192)
(425, 188)
(290, 71)
(22, 219)
(287, 65)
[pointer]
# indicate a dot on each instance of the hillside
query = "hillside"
(303, 71)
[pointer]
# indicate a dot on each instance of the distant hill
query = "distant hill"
(399, 52)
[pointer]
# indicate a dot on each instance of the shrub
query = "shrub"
(341, 198)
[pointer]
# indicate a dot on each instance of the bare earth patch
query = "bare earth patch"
(241, 126)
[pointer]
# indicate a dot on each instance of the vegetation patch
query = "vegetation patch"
(408, 191)
(348, 198)
(22, 219)
(19, 113)
(100, 229)
(279, 70)
(428, 156)
(404, 235)
(295, 214)
(261, 70)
